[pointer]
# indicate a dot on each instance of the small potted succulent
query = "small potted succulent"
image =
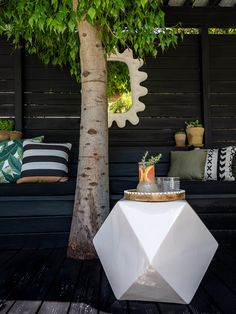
(180, 138)
(195, 131)
(147, 181)
(6, 126)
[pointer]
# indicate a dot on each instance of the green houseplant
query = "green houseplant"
(180, 138)
(195, 132)
(6, 126)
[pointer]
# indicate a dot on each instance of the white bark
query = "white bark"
(92, 190)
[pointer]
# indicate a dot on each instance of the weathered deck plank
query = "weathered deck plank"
(19, 281)
(223, 297)
(8, 271)
(173, 308)
(38, 286)
(86, 294)
(58, 298)
(142, 307)
(202, 303)
(6, 256)
(44, 281)
(107, 297)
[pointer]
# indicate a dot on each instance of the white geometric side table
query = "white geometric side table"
(154, 251)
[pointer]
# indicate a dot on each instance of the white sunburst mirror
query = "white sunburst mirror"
(136, 77)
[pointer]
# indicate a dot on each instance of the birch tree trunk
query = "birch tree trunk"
(92, 189)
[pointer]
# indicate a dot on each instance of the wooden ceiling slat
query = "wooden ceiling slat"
(188, 3)
(227, 3)
(214, 3)
(200, 3)
(176, 3)
(165, 2)
(201, 16)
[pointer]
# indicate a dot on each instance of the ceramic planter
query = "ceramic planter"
(15, 136)
(180, 139)
(4, 135)
(195, 136)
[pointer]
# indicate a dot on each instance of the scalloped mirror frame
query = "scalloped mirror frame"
(136, 77)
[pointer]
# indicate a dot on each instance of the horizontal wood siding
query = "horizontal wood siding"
(7, 88)
(173, 97)
(223, 89)
(34, 223)
(51, 102)
(51, 106)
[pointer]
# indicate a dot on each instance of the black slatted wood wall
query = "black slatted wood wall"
(223, 89)
(51, 107)
(51, 102)
(174, 96)
(7, 88)
(51, 98)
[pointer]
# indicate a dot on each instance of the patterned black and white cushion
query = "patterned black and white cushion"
(45, 162)
(219, 164)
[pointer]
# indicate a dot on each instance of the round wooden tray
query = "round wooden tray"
(133, 195)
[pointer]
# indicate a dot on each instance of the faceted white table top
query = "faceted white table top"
(154, 251)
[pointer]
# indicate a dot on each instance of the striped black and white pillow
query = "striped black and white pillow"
(219, 164)
(45, 162)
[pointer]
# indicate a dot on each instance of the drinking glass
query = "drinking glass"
(168, 184)
(147, 182)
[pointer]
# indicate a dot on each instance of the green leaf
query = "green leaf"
(8, 177)
(91, 13)
(3, 145)
(31, 21)
(20, 153)
(143, 2)
(71, 25)
(1, 165)
(97, 3)
(49, 29)
(15, 164)
(9, 150)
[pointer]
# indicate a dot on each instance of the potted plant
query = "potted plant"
(180, 138)
(147, 181)
(6, 125)
(195, 131)
(15, 135)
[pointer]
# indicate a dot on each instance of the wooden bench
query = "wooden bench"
(39, 215)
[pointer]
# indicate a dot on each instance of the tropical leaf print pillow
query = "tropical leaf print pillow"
(11, 155)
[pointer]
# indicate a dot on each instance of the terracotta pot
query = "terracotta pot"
(15, 136)
(180, 139)
(195, 136)
(4, 135)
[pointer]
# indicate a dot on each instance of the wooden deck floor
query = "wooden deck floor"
(45, 281)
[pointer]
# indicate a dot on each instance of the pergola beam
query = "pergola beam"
(201, 16)
(227, 3)
(176, 3)
(200, 3)
(213, 3)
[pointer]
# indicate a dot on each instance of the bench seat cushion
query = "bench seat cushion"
(37, 189)
(117, 188)
(191, 187)
(209, 187)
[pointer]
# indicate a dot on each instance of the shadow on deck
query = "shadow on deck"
(45, 281)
